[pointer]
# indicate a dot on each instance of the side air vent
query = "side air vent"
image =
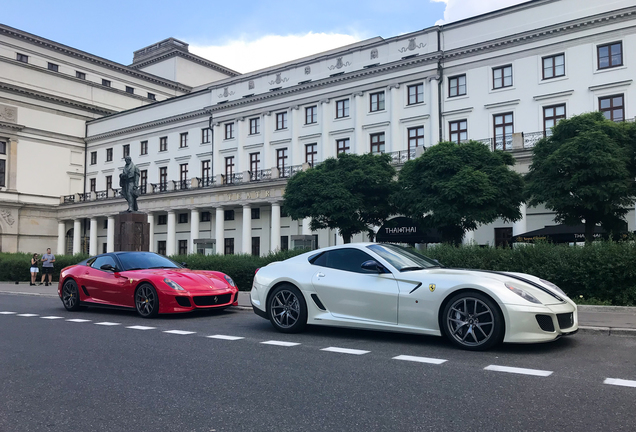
(545, 322)
(316, 300)
(85, 291)
(183, 301)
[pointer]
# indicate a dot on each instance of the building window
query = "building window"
(53, 67)
(204, 216)
(377, 143)
(229, 246)
(3, 147)
(80, 75)
(163, 143)
(183, 175)
(163, 179)
(311, 153)
(281, 120)
(205, 171)
(457, 86)
(255, 125)
(3, 172)
(256, 213)
(229, 130)
(284, 243)
(376, 101)
(161, 247)
(458, 131)
(183, 247)
(152, 96)
(553, 66)
(416, 138)
(256, 246)
(503, 130)
(552, 115)
(130, 90)
(206, 135)
(125, 150)
(281, 161)
(342, 108)
(311, 114)
(183, 218)
(228, 215)
(109, 155)
(93, 185)
(183, 140)
(342, 146)
(255, 161)
(162, 219)
(502, 77)
(105, 83)
(105, 226)
(22, 58)
(610, 55)
(143, 181)
(229, 170)
(416, 94)
(143, 148)
(93, 158)
(109, 182)
(612, 107)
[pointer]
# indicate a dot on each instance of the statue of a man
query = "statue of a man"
(129, 180)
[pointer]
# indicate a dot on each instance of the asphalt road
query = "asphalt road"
(61, 375)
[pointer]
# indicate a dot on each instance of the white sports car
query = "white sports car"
(391, 288)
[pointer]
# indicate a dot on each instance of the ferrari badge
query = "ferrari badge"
(130, 280)
(431, 287)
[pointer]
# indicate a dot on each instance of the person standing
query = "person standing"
(47, 266)
(34, 268)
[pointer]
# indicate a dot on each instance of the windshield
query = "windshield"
(403, 259)
(145, 260)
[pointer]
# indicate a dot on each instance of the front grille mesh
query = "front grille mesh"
(566, 320)
(545, 322)
(210, 300)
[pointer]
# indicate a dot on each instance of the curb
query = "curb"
(29, 294)
(608, 331)
(591, 308)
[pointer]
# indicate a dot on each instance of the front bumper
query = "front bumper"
(532, 324)
(187, 302)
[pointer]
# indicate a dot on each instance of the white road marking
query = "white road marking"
(620, 382)
(179, 332)
(51, 317)
(78, 320)
(106, 323)
(420, 359)
(280, 343)
(7, 313)
(27, 315)
(224, 337)
(534, 372)
(345, 350)
(141, 328)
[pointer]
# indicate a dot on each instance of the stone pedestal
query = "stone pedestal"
(132, 232)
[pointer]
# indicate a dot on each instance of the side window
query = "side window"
(344, 259)
(100, 261)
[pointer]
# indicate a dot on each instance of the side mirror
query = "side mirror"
(373, 266)
(108, 267)
(184, 264)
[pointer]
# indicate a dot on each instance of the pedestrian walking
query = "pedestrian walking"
(47, 267)
(34, 268)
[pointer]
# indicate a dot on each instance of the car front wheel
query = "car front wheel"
(472, 321)
(287, 309)
(146, 301)
(70, 296)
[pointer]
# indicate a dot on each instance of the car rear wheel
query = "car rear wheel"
(146, 301)
(70, 296)
(472, 321)
(287, 309)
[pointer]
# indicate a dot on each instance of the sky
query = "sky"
(243, 35)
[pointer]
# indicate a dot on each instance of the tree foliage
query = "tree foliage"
(455, 187)
(584, 172)
(350, 193)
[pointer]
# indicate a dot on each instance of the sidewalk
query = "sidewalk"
(610, 320)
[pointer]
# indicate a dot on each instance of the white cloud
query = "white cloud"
(249, 55)
(459, 9)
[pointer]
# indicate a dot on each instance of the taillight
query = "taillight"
(257, 270)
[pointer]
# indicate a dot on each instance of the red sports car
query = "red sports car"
(145, 281)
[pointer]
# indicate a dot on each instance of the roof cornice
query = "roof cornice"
(178, 53)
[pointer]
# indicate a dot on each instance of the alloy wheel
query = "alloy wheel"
(70, 295)
(285, 308)
(471, 322)
(145, 300)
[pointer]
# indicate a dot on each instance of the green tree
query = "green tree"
(584, 172)
(455, 187)
(350, 193)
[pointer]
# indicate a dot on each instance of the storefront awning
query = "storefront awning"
(560, 234)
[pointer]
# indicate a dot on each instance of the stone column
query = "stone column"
(266, 129)
(172, 233)
(306, 230)
(61, 237)
(92, 244)
(326, 149)
(359, 146)
(433, 130)
(247, 230)
(217, 161)
(394, 143)
(521, 225)
(110, 234)
(151, 232)
(12, 164)
(194, 229)
(77, 236)
(219, 228)
(275, 241)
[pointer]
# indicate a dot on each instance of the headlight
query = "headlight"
(172, 284)
(522, 293)
(553, 286)
(229, 280)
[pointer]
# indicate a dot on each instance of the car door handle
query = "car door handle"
(320, 275)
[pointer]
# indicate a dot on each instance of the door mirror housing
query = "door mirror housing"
(108, 267)
(373, 266)
(184, 264)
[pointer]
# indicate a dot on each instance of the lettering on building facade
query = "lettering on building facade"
(253, 195)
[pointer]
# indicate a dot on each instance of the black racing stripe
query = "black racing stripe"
(529, 282)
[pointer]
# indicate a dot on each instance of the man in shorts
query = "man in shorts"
(47, 266)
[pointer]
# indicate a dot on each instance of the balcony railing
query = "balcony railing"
(182, 184)
(101, 195)
(531, 138)
(401, 157)
(206, 181)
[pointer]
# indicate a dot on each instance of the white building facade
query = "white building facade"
(215, 159)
